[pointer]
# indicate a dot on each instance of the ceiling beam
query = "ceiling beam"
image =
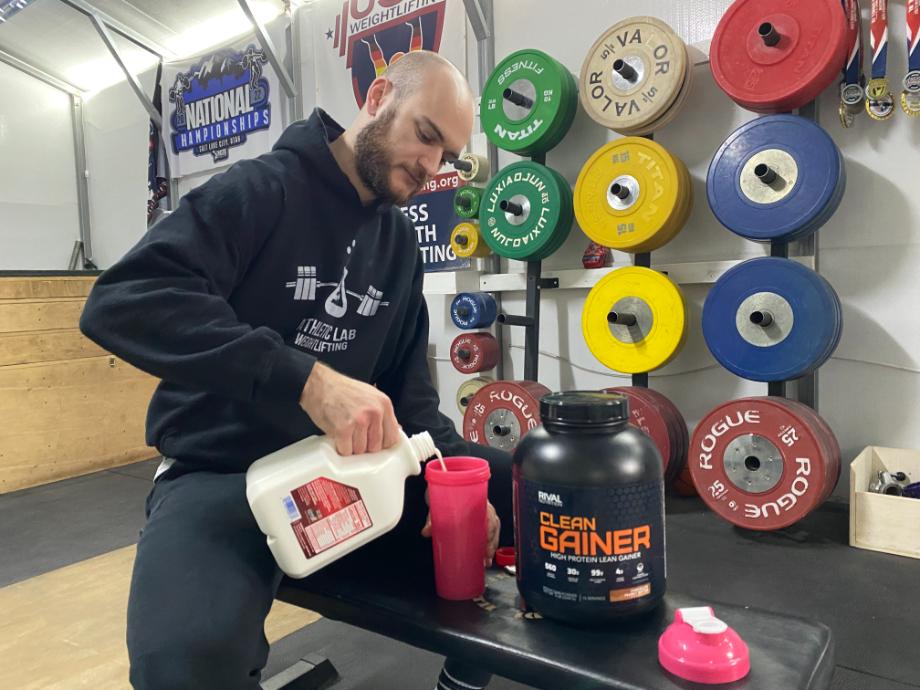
(121, 28)
(39, 74)
(129, 75)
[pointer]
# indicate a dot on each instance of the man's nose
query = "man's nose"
(431, 162)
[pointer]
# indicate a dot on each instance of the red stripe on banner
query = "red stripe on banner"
(344, 28)
(335, 43)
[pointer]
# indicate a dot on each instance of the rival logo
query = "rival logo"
(549, 499)
(218, 101)
(373, 37)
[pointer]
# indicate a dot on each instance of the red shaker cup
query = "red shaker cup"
(457, 501)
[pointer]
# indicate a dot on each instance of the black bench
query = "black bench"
(494, 633)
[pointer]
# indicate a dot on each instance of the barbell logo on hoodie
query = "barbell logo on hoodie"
(218, 101)
(317, 335)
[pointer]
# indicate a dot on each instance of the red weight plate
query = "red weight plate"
(537, 390)
(647, 416)
(501, 413)
(472, 352)
(683, 485)
(773, 56)
(829, 441)
(658, 417)
(758, 464)
(679, 434)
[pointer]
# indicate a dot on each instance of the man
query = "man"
(281, 299)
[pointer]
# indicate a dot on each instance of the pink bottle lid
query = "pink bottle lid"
(700, 648)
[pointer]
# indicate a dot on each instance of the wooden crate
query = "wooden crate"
(67, 407)
(890, 524)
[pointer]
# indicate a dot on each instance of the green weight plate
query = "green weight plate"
(566, 217)
(535, 209)
(525, 106)
(466, 202)
(570, 104)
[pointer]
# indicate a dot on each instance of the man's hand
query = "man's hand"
(357, 416)
(493, 528)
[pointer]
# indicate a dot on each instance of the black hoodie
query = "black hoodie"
(259, 273)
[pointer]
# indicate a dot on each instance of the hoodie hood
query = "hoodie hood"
(309, 140)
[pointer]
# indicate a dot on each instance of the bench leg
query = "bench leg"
(458, 675)
(312, 672)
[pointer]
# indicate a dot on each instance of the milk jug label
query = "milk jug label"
(325, 513)
(601, 546)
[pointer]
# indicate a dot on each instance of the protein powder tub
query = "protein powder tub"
(589, 512)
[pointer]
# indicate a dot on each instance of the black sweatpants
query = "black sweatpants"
(204, 580)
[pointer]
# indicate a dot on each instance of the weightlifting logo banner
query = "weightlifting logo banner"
(222, 107)
(358, 39)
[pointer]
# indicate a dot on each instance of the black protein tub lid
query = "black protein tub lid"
(584, 408)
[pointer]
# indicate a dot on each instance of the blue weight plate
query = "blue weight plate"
(795, 148)
(805, 312)
(835, 341)
(831, 208)
(471, 310)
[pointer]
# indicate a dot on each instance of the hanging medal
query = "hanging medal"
(879, 101)
(910, 97)
(851, 86)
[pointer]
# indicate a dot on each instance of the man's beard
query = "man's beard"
(373, 158)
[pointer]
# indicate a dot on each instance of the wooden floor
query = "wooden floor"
(65, 629)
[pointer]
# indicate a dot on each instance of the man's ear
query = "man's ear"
(379, 89)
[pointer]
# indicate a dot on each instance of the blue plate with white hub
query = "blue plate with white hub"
(471, 310)
(776, 178)
(772, 319)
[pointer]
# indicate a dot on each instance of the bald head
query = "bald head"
(411, 72)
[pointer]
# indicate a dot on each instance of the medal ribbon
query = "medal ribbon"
(852, 70)
(879, 38)
(913, 35)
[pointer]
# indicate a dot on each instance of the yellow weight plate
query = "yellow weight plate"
(685, 204)
(627, 194)
(467, 243)
(650, 324)
(633, 73)
(468, 389)
(686, 208)
(680, 216)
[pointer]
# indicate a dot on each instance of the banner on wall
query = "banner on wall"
(432, 214)
(356, 41)
(223, 106)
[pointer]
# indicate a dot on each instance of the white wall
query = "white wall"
(117, 136)
(869, 251)
(39, 216)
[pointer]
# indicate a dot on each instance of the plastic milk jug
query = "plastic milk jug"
(315, 506)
